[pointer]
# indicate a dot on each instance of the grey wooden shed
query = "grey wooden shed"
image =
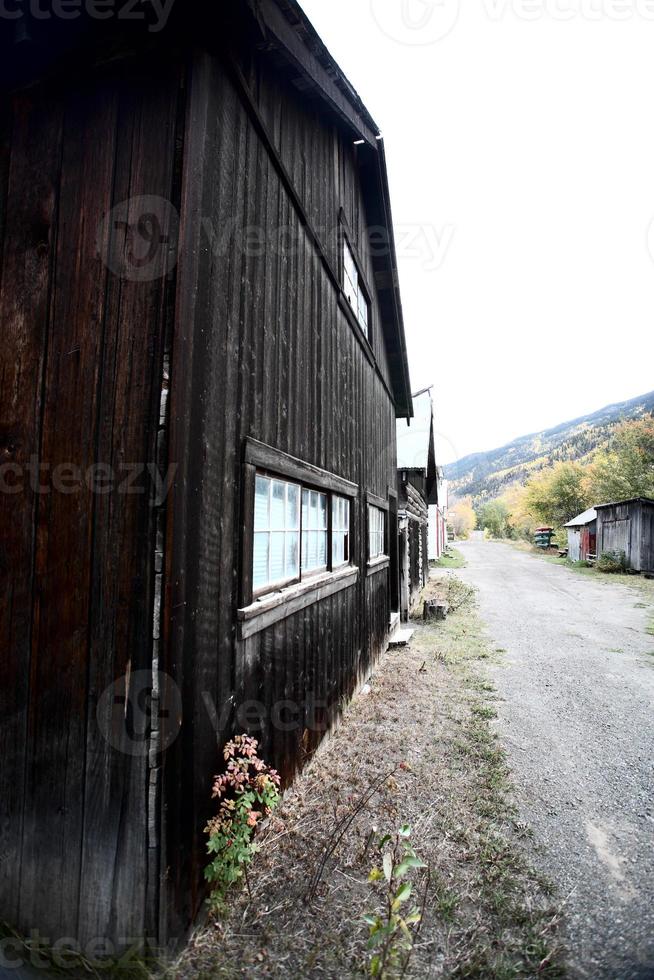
(628, 526)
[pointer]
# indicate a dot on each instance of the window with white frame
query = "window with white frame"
(376, 532)
(352, 287)
(314, 531)
(294, 537)
(276, 533)
(340, 531)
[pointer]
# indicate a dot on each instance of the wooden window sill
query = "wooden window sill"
(271, 609)
(378, 564)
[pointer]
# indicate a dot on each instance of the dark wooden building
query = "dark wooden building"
(203, 361)
(628, 527)
(417, 491)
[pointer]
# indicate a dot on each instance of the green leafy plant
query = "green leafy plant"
(392, 932)
(248, 791)
(612, 561)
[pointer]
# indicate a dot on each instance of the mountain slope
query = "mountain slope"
(484, 476)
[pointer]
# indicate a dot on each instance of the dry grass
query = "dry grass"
(424, 735)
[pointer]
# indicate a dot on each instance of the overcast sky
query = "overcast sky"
(520, 143)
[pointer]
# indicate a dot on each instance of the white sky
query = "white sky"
(523, 141)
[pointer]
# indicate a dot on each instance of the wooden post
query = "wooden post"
(434, 610)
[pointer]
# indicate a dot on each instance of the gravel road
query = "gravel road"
(577, 718)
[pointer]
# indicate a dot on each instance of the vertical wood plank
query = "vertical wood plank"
(29, 234)
(59, 667)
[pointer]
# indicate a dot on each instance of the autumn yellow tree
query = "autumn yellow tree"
(521, 522)
(558, 494)
(626, 468)
(462, 517)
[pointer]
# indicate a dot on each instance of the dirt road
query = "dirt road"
(577, 716)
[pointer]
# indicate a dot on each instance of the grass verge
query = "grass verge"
(453, 558)
(427, 728)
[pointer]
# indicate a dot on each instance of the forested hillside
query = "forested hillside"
(486, 476)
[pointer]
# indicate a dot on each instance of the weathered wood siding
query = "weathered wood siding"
(574, 543)
(647, 538)
(260, 346)
(80, 370)
(263, 350)
(412, 501)
(628, 527)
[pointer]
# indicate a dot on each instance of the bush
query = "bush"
(248, 791)
(612, 562)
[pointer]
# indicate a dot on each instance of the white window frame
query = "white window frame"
(355, 293)
(376, 532)
(341, 531)
(314, 527)
(289, 529)
(323, 525)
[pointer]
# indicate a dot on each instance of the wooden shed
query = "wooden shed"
(582, 536)
(203, 362)
(628, 526)
(417, 490)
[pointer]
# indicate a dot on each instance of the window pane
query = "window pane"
(351, 294)
(338, 548)
(282, 511)
(321, 560)
(314, 550)
(376, 528)
(348, 261)
(340, 528)
(350, 278)
(292, 555)
(260, 564)
(362, 311)
(277, 556)
(278, 505)
(262, 492)
(292, 507)
(322, 508)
